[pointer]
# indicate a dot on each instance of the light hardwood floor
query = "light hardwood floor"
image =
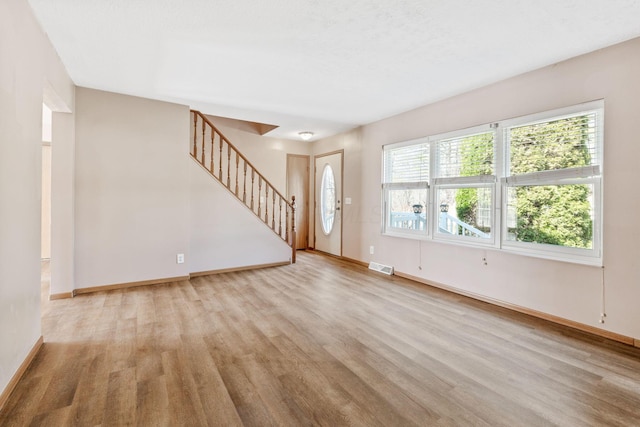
(321, 342)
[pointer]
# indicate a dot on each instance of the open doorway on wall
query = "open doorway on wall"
(57, 224)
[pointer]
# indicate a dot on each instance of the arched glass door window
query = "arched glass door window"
(327, 199)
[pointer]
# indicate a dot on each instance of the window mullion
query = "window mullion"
(498, 195)
(433, 208)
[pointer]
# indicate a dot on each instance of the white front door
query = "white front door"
(328, 211)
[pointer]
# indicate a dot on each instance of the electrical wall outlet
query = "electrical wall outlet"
(180, 258)
(371, 250)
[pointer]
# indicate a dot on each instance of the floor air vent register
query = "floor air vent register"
(385, 269)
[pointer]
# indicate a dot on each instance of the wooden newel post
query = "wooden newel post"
(293, 229)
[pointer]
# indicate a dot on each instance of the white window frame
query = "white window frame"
(588, 175)
(459, 182)
(463, 239)
(561, 253)
(500, 182)
(387, 229)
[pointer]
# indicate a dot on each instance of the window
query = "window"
(465, 212)
(530, 185)
(465, 185)
(327, 199)
(405, 188)
(552, 184)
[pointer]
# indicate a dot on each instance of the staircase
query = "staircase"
(213, 151)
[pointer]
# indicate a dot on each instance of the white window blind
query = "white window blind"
(569, 173)
(563, 143)
(469, 155)
(409, 163)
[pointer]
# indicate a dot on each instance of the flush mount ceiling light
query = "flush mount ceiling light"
(306, 135)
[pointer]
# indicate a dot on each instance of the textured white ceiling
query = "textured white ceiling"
(320, 65)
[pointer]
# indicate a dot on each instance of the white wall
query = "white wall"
(224, 232)
(45, 246)
(566, 290)
(62, 265)
(131, 189)
(27, 63)
(45, 227)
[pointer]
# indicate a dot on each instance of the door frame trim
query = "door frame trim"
(315, 186)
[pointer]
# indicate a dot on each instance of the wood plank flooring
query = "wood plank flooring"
(321, 342)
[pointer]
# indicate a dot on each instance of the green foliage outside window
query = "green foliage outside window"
(476, 159)
(554, 214)
(551, 214)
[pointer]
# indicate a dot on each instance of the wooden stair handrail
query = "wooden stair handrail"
(203, 117)
(265, 190)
